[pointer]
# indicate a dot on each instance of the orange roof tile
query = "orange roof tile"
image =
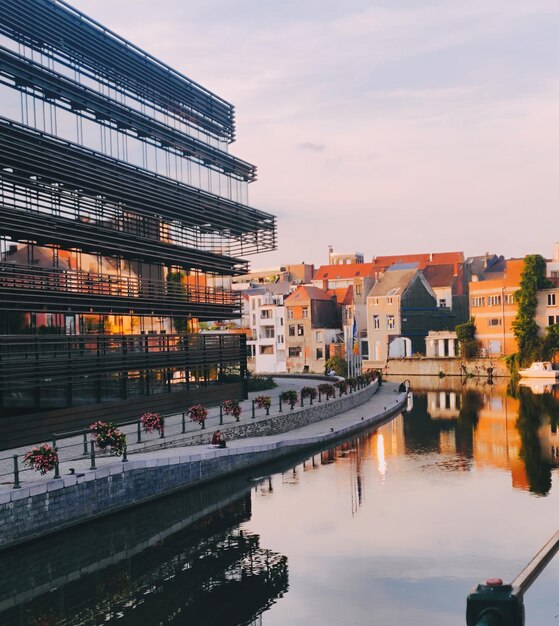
(307, 292)
(348, 270)
(343, 295)
(423, 258)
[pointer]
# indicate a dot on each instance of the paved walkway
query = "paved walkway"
(382, 403)
(176, 429)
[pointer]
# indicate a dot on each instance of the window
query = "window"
(280, 339)
(494, 300)
(281, 321)
(550, 299)
(289, 314)
(266, 349)
(509, 298)
(376, 322)
(375, 301)
(552, 319)
(253, 304)
(318, 336)
(319, 353)
(388, 300)
(358, 288)
(390, 322)
(266, 314)
(254, 319)
(496, 321)
(291, 330)
(442, 303)
(300, 330)
(305, 312)
(295, 352)
(478, 301)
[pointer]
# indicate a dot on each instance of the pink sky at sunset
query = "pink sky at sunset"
(386, 127)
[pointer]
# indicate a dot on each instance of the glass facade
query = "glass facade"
(123, 218)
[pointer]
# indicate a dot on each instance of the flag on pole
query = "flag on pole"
(355, 338)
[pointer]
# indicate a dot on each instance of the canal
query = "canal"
(391, 528)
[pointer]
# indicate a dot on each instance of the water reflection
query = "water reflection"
(490, 425)
(374, 519)
(178, 561)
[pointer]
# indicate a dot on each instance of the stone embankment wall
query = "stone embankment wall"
(32, 512)
(422, 366)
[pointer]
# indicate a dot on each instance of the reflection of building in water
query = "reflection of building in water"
(497, 440)
(210, 570)
(443, 404)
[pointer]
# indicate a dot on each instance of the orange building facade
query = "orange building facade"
(494, 309)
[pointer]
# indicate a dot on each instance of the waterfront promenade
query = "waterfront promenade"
(45, 504)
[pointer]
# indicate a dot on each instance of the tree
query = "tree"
(338, 364)
(550, 343)
(524, 326)
(466, 335)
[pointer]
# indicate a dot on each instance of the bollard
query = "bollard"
(267, 410)
(92, 467)
(319, 396)
(221, 415)
(125, 454)
(17, 484)
(184, 421)
(280, 408)
(311, 400)
(162, 433)
(85, 442)
(56, 466)
(495, 604)
(139, 438)
(302, 405)
(253, 415)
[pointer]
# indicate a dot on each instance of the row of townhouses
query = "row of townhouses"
(395, 306)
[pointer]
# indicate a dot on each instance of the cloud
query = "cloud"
(311, 147)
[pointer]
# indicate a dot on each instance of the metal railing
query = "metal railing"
(78, 446)
(496, 604)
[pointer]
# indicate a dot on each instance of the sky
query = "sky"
(385, 127)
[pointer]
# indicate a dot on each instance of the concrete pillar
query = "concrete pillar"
(451, 347)
(442, 351)
(442, 399)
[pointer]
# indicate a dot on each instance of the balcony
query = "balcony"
(26, 287)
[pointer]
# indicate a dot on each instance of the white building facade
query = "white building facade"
(266, 345)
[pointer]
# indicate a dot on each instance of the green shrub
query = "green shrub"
(261, 383)
(290, 397)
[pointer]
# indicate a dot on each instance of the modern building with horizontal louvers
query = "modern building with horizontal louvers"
(123, 218)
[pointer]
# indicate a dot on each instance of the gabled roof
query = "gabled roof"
(393, 283)
(440, 275)
(305, 293)
(341, 271)
(343, 296)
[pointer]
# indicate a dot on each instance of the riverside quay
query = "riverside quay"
(123, 219)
